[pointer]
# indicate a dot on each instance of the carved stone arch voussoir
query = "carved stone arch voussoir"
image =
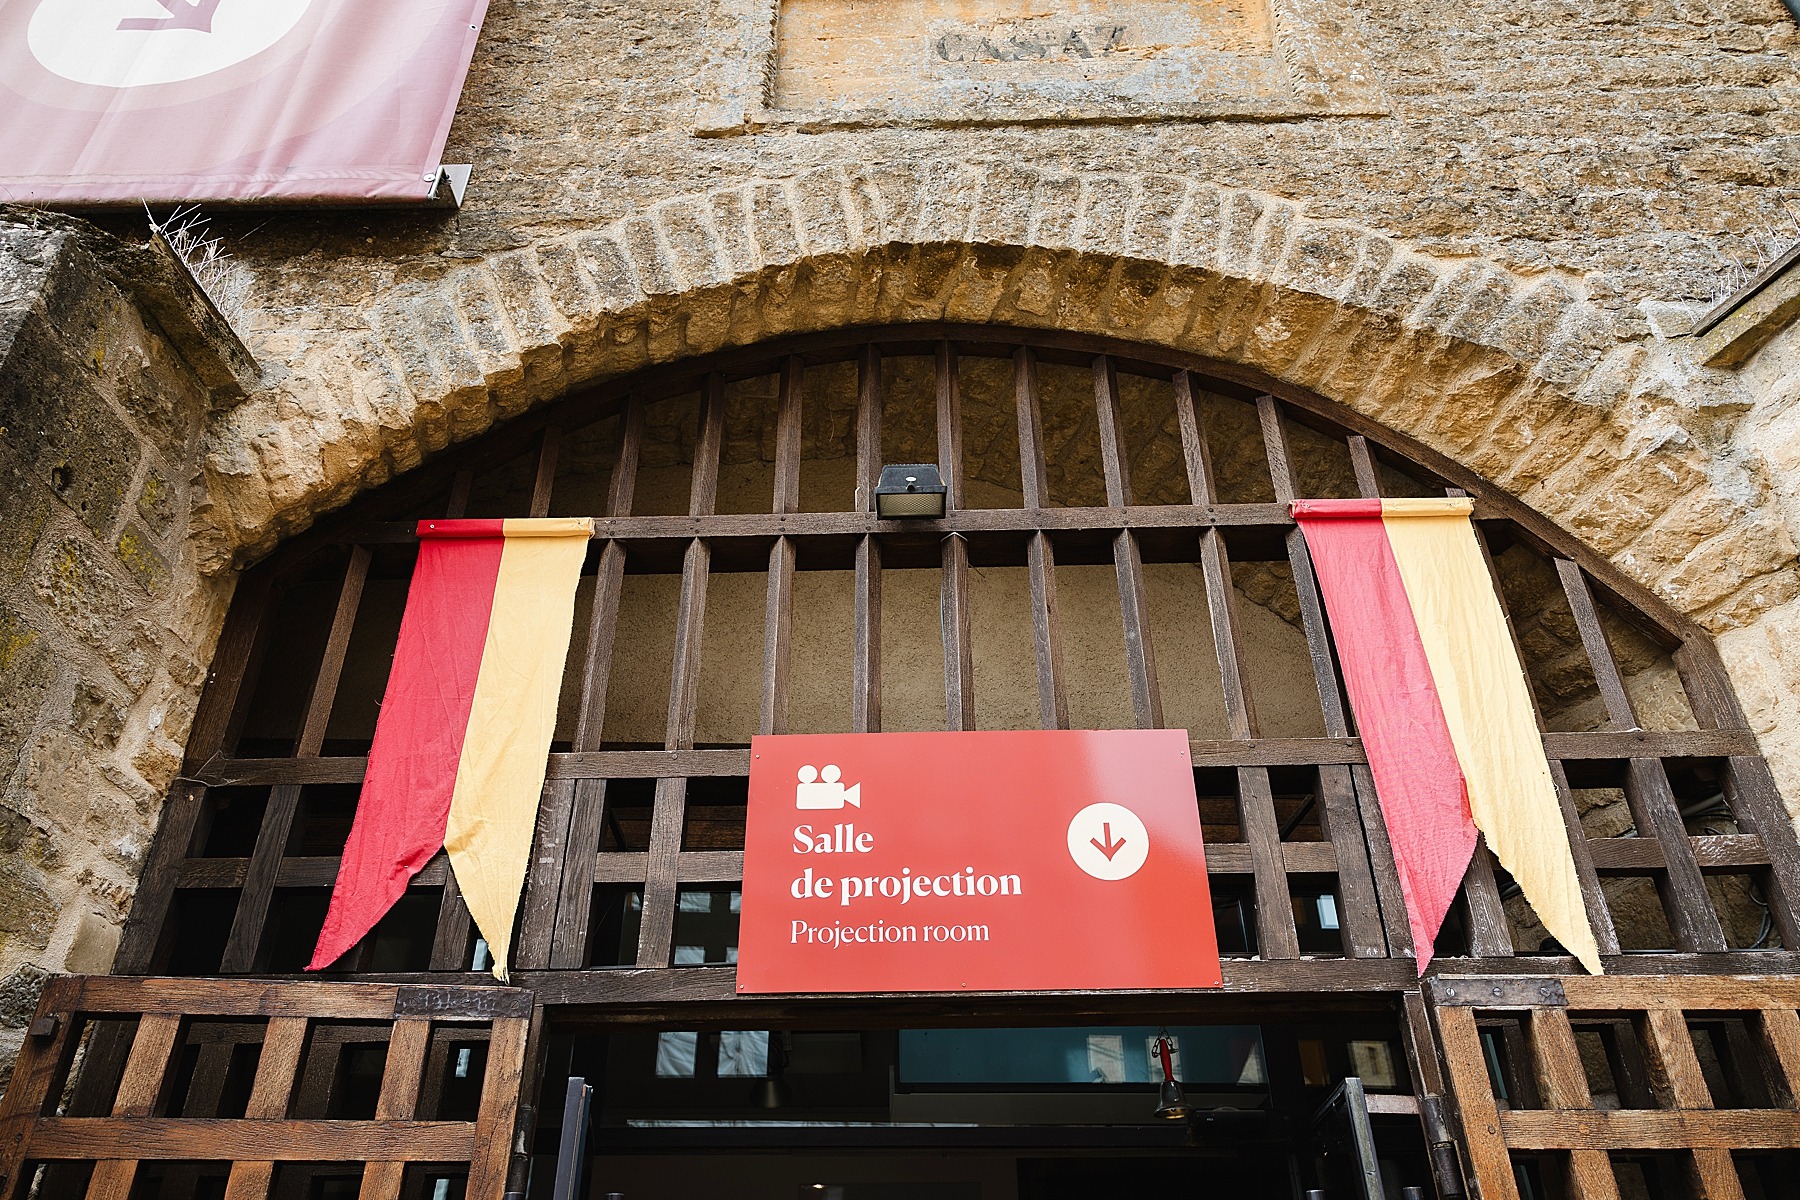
(1524, 380)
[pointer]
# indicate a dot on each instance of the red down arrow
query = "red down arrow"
(1109, 847)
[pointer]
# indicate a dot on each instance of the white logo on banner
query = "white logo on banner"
(825, 789)
(132, 43)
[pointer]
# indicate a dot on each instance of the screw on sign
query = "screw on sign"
(993, 861)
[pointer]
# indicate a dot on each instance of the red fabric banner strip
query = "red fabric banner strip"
(405, 802)
(1399, 715)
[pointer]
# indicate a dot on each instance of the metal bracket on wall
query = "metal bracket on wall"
(452, 183)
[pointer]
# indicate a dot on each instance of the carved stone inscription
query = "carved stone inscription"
(905, 57)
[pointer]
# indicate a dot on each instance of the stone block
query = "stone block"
(137, 553)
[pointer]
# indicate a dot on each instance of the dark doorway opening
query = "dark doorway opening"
(984, 1113)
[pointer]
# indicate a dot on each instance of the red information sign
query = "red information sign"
(938, 862)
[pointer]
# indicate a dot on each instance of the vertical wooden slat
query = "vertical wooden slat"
(244, 945)
(1647, 791)
(1749, 786)
(1275, 933)
(545, 478)
(1134, 607)
(558, 901)
(146, 1070)
(37, 1077)
(1221, 604)
(1053, 693)
(1563, 1084)
(1678, 1082)
(957, 623)
(1046, 628)
(461, 484)
(1490, 933)
(690, 621)
(1489, 1161)
(788, 425)
(450, 945)
(398, 1101)
(1343, 819)
(499, 1112)
(283, 1044)
(865, 682)
(1196, 452)
(1033, 472)
(703, 490)
(173, 843)
(622, 488)
(223, 700)
(1780, 1031)
(656, 930)
(1115, 458)
(1368, 482)
(778, 638)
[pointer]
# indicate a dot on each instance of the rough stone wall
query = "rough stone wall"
(1497, 258)
(105, 622)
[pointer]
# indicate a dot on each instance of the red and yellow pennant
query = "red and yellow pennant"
(1443, 708)
(463, 738)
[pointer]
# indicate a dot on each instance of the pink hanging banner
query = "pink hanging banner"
(171, 101)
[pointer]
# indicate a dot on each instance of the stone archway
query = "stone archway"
(1527, 381)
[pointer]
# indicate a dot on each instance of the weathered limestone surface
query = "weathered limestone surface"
(1481, 268)
(105, 622)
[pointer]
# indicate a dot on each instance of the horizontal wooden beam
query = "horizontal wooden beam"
(121, 994)
(1636, 1129)
(1259, 752)
(190, 1139)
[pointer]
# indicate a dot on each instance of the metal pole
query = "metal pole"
(571, 1149)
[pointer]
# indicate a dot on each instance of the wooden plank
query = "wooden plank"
(1368, 482)
(37, 1079)
(1647, 791)
(662, 875)
(283, 1045)
(1422, 1046)
(545, 478)
(461, 484)
(1677, 1081)
(1115, 456)
(1780, 1032)
(1221, 604)
(1486, 1145)
(337, 645)
(703, 489)
(622, 488)
(156, 885)
(690, 619)
(865, 672)
(102, 995)
(1275, 934)
(1033, 476)
(244, 945)
(1563, 1084)
(1628, 1129)
(222, 696)
(847, 524)
(1196, 452)
(398, 1100)
(1359, 906)
(184, 1139)
(1046, 630)
(1671, 990)
(1381, 863)
(1140, 651)
(450, 945)
(559, 896)
(778, 638)
(501, 1092)
(958, 621)
(147, 1067)
(1490, 934)
(865, 681)
(788, 426)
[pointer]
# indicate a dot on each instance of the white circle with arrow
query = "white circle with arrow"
(133, 43)
(1108, 841)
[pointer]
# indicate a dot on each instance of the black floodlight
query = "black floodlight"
(911, 490)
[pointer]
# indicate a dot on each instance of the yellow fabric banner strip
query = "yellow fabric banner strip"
(500, 777)
(1487, 705)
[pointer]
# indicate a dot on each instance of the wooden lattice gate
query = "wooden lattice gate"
(1575, 1086)
(268, 1084)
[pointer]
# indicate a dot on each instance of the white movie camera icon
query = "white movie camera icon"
(822, 789)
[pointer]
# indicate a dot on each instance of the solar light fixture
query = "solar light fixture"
(913, 490)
